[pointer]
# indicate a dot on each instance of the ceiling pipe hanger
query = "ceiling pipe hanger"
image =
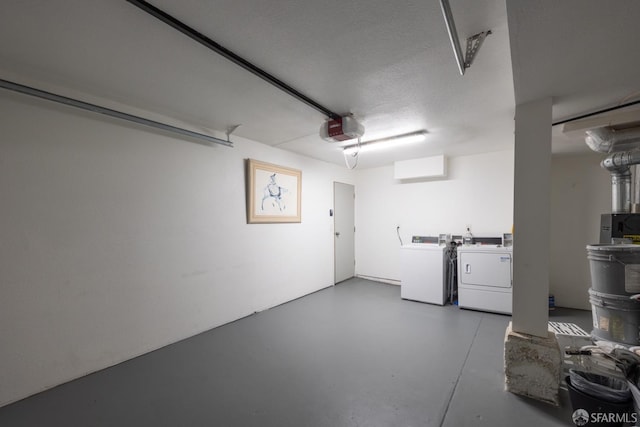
(207, 42)
(230, 130)
(473, 43)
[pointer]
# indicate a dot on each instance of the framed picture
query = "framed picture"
(273, 193)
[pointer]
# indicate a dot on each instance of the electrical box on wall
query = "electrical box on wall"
(426, 167)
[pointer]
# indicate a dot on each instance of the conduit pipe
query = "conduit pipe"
(238, 60)
(31, 91)
(453, 35)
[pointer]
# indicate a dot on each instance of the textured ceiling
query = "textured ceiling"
(390, 64)
(580, 53)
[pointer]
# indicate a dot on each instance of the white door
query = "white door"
(344, 231)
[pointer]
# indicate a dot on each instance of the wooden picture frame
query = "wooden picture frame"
(273, 193)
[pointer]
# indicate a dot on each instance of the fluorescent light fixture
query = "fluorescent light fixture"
(386, 143)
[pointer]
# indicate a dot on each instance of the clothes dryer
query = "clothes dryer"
(485, 278)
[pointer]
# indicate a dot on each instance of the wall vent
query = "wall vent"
(426, 167)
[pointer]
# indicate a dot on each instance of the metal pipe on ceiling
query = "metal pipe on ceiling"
(27, 90)
(619, 164)
(606, 139)
(453, 35)
(594, 113)
(207, 42)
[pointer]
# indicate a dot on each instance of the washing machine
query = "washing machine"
(424, 270)
(485, 277)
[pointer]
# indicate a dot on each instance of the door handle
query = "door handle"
(337, 234)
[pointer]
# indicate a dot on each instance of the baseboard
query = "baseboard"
(379, 279)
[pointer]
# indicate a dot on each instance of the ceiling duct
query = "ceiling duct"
(619, 164)
(610, 140)
(623, 145)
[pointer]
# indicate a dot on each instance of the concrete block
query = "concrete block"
(533, 366)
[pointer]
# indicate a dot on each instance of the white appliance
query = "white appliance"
(423, 272)
(485, 278)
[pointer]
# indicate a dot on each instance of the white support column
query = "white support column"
(532, 186)
(533, 362)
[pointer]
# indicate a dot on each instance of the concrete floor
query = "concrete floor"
(350, 355)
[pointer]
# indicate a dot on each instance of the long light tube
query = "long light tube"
(385, 143)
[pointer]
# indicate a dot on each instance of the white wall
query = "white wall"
(580, 192)
(478, 191)
(116, 240)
